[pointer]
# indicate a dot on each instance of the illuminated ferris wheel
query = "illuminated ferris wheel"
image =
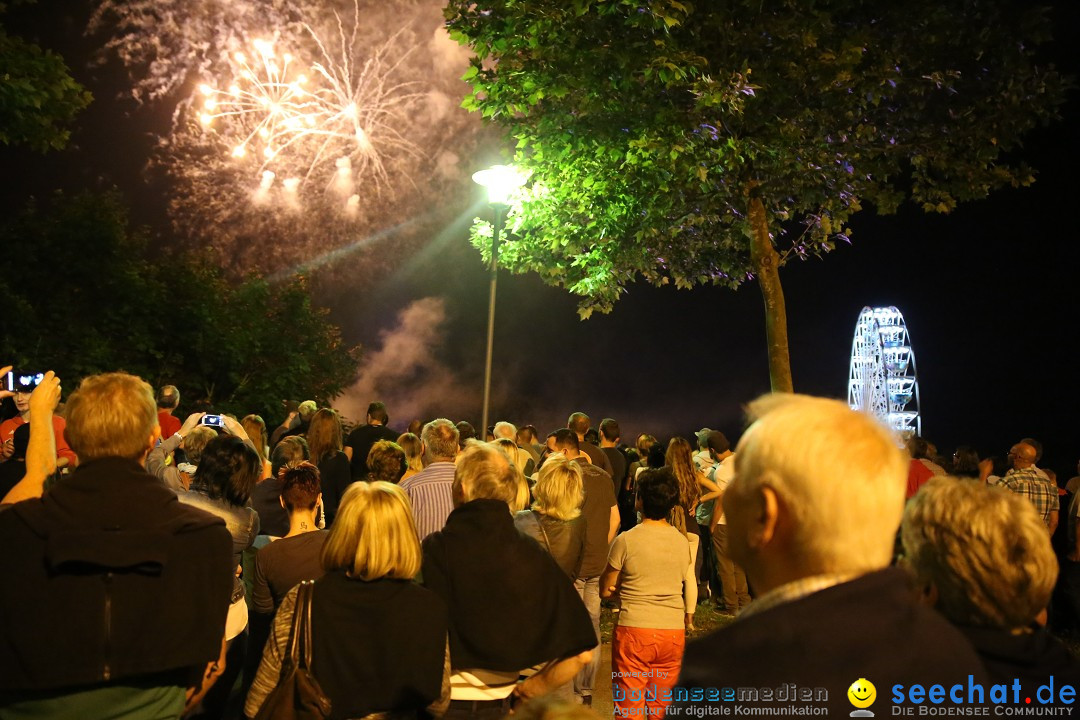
(883, 381)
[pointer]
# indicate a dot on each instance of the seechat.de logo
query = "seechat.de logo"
(862, 695)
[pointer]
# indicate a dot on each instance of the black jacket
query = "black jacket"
(868, 628)
(109, 577)
(498, 584)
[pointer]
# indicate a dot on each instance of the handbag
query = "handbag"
(297, 695)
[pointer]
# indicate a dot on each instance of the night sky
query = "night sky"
(988, 294)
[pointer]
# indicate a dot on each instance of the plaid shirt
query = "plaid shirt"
(1039, 491)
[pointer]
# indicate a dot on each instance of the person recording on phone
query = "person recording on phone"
(192, 437)
(40, 456)
(20, 385)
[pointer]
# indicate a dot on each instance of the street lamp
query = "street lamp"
(500, 181)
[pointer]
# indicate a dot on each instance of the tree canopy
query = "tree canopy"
(81, 296)
(709, 143)
(38, 96)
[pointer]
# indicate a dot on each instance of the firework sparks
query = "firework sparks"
(325, 130)
(328, 124)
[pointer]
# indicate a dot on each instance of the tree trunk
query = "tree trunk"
(767, 263)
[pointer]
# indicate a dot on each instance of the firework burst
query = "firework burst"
(299, 127)
(323, 126)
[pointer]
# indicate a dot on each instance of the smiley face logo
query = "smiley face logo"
(862, 693)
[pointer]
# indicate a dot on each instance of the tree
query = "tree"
(38, 96)
(711, 143)
(80, 296)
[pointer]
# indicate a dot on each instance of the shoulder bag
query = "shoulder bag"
(297, 695)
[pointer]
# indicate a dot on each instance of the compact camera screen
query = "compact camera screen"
(22, 381)
(212, 421)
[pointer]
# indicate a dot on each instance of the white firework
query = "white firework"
(327, 125)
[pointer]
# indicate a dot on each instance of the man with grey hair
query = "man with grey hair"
(522, 459)
(984, 561)
(812, 515)
(499, 584)
(429, 490)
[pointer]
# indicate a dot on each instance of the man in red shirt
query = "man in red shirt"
(167, 401)
(64, 454)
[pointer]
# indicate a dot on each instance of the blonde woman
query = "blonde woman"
(379, 640)
(414, 450)
(555, 518)
(255, 427)
(524, 494)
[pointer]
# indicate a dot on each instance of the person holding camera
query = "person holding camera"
(24, 384)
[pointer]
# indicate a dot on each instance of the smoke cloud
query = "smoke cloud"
(406, 373)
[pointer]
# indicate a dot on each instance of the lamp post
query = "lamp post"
(499, 181)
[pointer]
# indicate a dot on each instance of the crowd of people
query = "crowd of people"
(159, 568)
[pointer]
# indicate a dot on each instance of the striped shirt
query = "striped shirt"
(430, 495)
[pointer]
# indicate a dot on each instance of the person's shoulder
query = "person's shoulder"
(193, 518)
(9, 425)
(335, 458)
(421, 594)
(268, 489)
(592, 472)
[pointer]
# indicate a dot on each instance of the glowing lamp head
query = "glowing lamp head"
(500, 181)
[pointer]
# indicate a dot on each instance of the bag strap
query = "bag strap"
(303, 610)
(292, 650)
(547, 542)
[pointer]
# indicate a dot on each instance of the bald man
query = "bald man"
(1024, 480)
